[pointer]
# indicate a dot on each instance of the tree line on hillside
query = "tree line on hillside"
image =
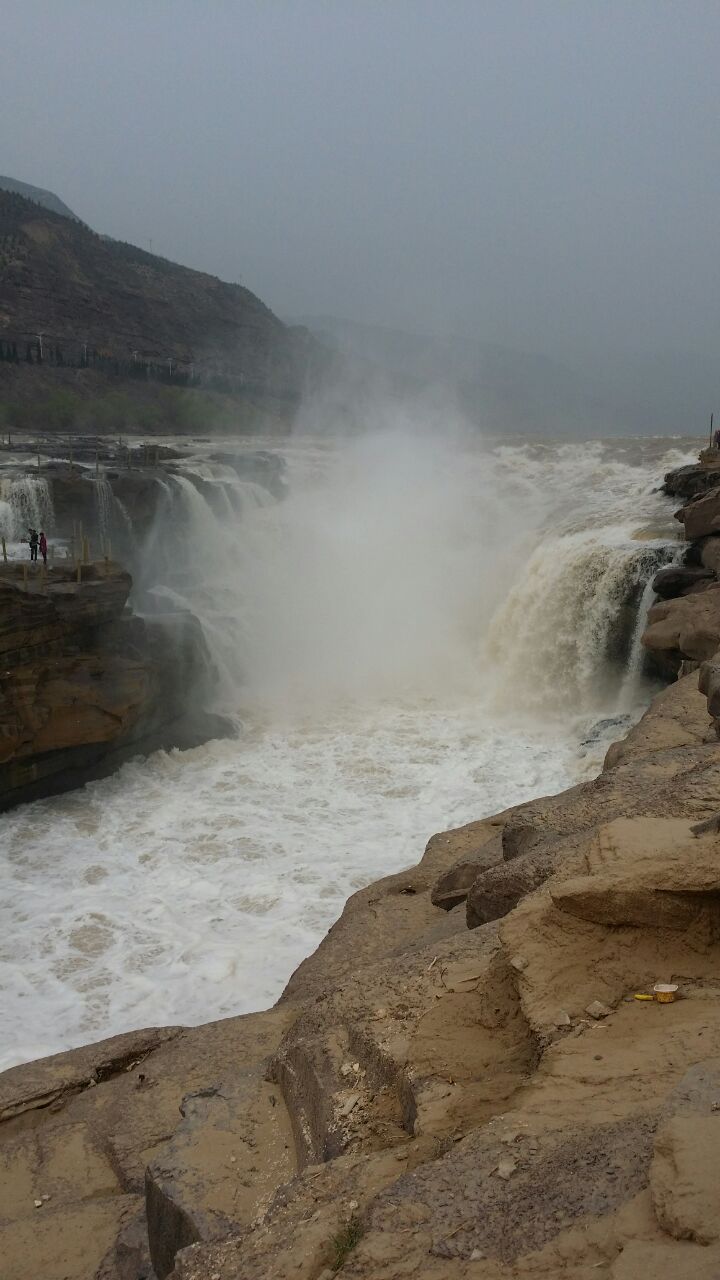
(166, 371)
(39, 352)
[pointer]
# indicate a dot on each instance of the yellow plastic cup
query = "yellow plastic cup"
(665, 992)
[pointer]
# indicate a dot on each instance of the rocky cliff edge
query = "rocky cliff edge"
(84, 683)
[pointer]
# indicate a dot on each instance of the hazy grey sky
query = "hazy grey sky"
(544, 174)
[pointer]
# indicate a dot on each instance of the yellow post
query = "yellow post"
(79, 572)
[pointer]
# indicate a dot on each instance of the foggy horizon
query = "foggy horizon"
(537, 176)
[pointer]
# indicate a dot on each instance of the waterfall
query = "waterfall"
(631, 688)
(555, 636)
(24, 501)
(104, 505)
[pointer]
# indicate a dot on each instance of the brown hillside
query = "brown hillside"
(95, 298)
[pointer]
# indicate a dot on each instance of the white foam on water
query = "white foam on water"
(375, 631)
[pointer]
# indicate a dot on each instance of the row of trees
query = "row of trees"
(38, 352)
(166, 372)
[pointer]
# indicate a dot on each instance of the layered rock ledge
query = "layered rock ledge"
(459, 1084)
(84, 683)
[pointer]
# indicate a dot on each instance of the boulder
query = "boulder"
(689, 481)
(709, 684)
(710, 553)
(687, 627)
(678, 579)
(701, 516)
(497, 890)
(452, 888)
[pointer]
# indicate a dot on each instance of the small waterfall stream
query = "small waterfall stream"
(24, 501)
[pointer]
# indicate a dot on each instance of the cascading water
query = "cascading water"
(391, 634)
(24, 501)
(631, 689)
(560, 641)
(104, 507)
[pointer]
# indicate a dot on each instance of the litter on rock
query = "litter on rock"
(665, 992)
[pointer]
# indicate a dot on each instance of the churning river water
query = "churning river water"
(423, 630)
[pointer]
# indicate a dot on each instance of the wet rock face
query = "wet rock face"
(685, 628)
(689, 481)
(679, 579)
(701, 516)
(41, 616)
(85, 685)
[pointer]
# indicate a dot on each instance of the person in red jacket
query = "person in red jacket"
(43, 547)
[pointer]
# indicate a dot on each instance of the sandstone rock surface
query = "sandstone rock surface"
(701, 516)
(84, 684)
(679, 579)
(687, 627)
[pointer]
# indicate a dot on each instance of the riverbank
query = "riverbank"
(428, 1098)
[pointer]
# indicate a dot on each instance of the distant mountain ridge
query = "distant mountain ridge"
(85, 293)
(38, 195)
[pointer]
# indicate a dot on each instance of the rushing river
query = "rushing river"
(422, 631)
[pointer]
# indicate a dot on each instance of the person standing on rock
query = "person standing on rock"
(33, 544)
(43, 547)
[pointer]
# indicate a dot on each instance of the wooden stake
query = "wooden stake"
(79, 572)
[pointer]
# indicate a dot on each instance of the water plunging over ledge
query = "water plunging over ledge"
(397, 639)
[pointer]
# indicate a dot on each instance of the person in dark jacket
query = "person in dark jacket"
(33, 544)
